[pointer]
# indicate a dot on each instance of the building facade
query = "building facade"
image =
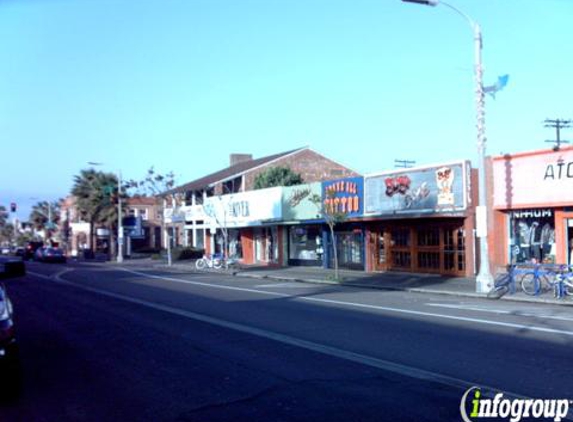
(532, 207)
(185, 205)
(421, 220)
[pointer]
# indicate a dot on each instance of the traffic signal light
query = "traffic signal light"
(13, 207)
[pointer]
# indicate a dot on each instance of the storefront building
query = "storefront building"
(302, 225)
(344, 199)
(421, 220)
(248, 223)
(532, 207)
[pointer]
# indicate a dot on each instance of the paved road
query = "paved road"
(101, 343)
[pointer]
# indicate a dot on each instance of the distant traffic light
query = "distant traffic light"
(13, 207)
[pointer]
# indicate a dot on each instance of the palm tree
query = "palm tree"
(94, 192)
(45, 216)
(3, 215)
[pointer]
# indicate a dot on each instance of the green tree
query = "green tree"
(153, 184)
(332, 216)
(45, 216)
(96, 194)
(277, 176)
(3, 215)
(156, 185)
(7, 233)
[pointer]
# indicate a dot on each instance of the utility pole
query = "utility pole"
(405, 164)
(557, 124)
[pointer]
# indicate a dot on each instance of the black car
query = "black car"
(50, 255)
(9, 363)
(31, 248)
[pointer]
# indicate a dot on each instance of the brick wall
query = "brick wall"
(312, 166)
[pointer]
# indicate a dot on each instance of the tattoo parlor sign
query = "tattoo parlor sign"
(344, 195)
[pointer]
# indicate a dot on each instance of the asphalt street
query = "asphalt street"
(103, 343)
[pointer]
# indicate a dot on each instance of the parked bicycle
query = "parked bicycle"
(563, 284)
(503, 283)
(214, 261)
(538, 280)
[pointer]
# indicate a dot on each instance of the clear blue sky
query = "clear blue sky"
(181, 84)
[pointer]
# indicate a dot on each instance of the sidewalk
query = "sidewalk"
(420, 283)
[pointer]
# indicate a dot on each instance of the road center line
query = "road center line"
(362, 305)
(381, 364)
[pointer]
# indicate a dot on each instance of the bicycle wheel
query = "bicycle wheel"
(500, 287)
(530, 284)
(217, 263)
(200, 264)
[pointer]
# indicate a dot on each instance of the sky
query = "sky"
(181, 84)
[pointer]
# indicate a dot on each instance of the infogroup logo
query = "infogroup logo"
(512, 409)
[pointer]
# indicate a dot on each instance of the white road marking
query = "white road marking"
(529, 327)
(403, 370)
(499, 311)
(362, 305)
(292, 285)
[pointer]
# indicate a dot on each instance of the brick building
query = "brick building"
(185, 213)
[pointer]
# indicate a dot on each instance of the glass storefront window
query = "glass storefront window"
(532, 236)
(305, 243)
(235, 245)
(350, 246)
(200, 241)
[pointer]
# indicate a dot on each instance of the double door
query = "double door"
(439, 248)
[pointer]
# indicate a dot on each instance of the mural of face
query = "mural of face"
(445, 180)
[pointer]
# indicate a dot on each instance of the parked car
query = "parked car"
(5, 250)
(8, 346)
(31, 248)
(20, 251)
(50, 255)
(39, 254)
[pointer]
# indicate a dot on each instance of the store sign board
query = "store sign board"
(344, 195)
(244, 208)
(437, 189)
(534, 180)
(297, 204)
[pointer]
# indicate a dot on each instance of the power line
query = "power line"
(557, 124)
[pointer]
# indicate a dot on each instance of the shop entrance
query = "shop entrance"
(425, 248)
(378, 241)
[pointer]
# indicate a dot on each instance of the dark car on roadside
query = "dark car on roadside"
(31, 248)
(50, 255)
(9, 360)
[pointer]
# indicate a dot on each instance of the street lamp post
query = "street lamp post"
(119, 215)
(484, 279)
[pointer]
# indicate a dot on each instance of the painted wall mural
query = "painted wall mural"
(423, 190)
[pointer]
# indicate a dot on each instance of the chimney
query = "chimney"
(240, 158)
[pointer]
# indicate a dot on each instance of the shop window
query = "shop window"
(401, 259)
(532, 236)
(429, 260)
(235, 244)
(200, 240)
(429, 236)
(305, 243)
(401, 237)
(349, 248)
